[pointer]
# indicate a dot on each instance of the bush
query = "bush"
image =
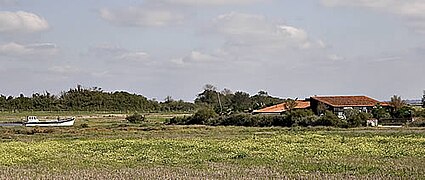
(301, 118)
(356, 118)
(178, 120)
(280, 120)
(243, 119)
(404, 112)
(250, 120)
(202, 115)
(330, 119)
(294, 118)
(380, 113)
(135, 118)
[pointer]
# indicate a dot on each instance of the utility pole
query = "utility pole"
(219, 102)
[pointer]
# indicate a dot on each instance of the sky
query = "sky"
(161, 48)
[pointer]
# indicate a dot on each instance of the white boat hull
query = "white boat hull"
(64, 122)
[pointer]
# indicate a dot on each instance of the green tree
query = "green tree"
(290, 104)
(380, 112)
(397, 103)
(241, 102)
(263, 99)
(168, 99)
(3, 103)
(329, 119)
(202, 115)
(404, 112)
(356, 118)
(301, 117)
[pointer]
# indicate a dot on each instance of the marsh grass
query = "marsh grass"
(214, 171)
(108, 147)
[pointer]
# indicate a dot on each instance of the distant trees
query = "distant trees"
(177, 106)
(95, 99)
(263, 99)
(79, 99)
(44, 102)
(227, 102)
(241, 102)
(400, 108)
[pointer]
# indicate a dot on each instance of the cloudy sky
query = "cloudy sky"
(174, 47)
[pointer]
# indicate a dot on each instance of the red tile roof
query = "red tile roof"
(346, 101)
(282, 107)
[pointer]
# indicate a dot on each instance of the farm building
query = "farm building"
(338, 104)
(282, 107)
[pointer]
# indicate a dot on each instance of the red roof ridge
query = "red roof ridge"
(278, 108)
(352, 100)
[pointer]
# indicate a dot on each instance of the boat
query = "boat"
(33, 121)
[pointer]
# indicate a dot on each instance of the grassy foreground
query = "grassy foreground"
(106, 147)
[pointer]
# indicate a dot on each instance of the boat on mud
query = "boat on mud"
(34, 121)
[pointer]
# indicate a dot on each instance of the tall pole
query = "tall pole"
(219, 102)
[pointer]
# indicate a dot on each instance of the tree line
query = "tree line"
(227, 102)
(89, 99)
(95, 99)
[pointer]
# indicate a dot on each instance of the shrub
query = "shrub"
(280, 120)
(249, 120)
(380, 113)
(356, 118)
(404, 112)
(202, 115)
(301, 118)
(330, 119)
(135, 118)
(178, 120)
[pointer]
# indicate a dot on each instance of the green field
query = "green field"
(105, 146)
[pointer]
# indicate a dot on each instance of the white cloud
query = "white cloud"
(119, 54)
(214, 2)
(149, 15)
(257, 31)
(254, 39)
(21, 50)
(196, 57)
(160, 13)
(412, 10)
(21, 22)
